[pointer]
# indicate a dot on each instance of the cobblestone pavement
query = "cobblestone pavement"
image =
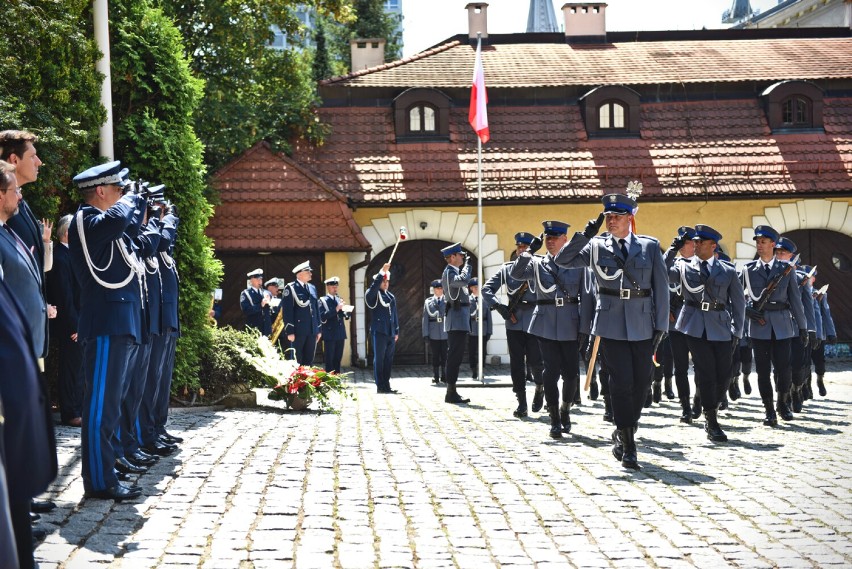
(408, 481)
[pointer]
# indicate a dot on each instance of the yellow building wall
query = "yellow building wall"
(337, 265)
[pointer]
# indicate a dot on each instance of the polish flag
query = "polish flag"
(478, 114)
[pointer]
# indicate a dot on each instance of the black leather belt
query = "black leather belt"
(626, 293)
(558, 301)
(705, 306)
(438, 319)
(776, 306)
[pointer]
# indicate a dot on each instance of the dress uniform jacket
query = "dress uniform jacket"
(720, 310)
(789, 317)
(556, 315)
(454, 281)
(333, 321)
(432, 322)
(24, 279)
(826, 322)
(384, 318)
(487, 324)
(113, 308)
(168, 272)
(807, 293)
(525, 307)
(257, 316)
(301, 309)
(627, 316)
(30, 230)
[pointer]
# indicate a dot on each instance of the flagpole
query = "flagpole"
(479, 313)
(478, 117)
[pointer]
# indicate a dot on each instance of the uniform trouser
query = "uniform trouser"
(769, 354)
(333, 353)
(70, 379)
(746, 357)
(524, 350)
(305, 347)
(22, 526)
(439, 358)
(629, 365)
(665, 359)
(125, 441)
(456, 341)
(680, 360)
(603, 373)
(146, 429)
(473, 350)
(818, 358)
(798, 356)
(105, 365)
(383, 349)
(164, 391)
(560, 358)
(712, 369)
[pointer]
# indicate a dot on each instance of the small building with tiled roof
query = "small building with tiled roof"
(731, 128)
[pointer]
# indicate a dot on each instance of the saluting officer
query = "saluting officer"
(487, 329)
(457, 321)
(301, 314)
(254, 302)
(333, 321)
(384, 327)
(632, 313)
(432, 329)
(712, 318)
(110, 325)
(773, 322)
(524, 349)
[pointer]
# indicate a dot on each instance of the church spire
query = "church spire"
(542, 18)
(740, 9)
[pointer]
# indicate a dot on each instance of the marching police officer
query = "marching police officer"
(556, 320)
(487, 328)
(454, 281)
(301, 314)
(254, 302)
(712, 319)
(524, 349)
(826, 332)
(776, 316)
(384, 327)
(632, 313)
(432, 329)
(333, 321)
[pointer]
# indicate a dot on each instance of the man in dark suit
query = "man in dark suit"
(30, 445)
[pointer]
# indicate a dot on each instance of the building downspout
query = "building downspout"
(353, 329)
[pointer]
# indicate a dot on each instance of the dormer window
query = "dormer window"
(793, 106)
(422, 115)
(611, 111)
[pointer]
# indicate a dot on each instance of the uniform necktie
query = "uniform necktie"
(705, 272)
(623, 244)
(766, 269)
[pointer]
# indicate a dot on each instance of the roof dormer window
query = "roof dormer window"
(611, 111)
(611, 116)
(421, 119)
(422, 115)
(793, 106)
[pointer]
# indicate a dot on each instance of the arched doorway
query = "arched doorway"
(415, 265)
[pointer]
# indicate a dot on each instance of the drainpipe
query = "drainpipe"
(353, 336)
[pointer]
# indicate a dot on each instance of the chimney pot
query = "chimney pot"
(585, 21)
(367, 52)
(477, 19)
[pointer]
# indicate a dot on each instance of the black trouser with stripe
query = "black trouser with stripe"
(712, 369)
(680, 357)
(630, 368)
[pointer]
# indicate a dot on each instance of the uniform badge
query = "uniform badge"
(287, 291)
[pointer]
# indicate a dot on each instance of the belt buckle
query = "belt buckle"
(440, 319)
(624, 294)
(560, 301)
(705, 306)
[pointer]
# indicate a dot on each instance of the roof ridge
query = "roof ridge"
(392, 64)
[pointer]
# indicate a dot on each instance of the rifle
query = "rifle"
(515, 299)
(755, 312)
(818, 294)
(807, 276)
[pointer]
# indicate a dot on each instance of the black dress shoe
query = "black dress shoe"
(746, 385)
(34, 517)
(42, 506)
(387, 391)
(617, 446)
(657, 391)
(118, 493)
(159, 449)
(127, 467)
(538, 398)
(142, 458)
(38, 535)
(696, 407)
(122, 477)
(593, 390)
(734, 390)
(170, 438)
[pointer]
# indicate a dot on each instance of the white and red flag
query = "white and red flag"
(478, 113)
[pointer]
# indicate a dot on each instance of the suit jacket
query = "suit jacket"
(332, 321)
(454, 280)
(432, 322)
(63, 291)
(722, 286)
(24, 279)
(110, 290)
(384, 319)
(523, 310)
(29, 229)
(30, 443)
(616, 318)
(301, 309)
(784, 323)
(257, 316)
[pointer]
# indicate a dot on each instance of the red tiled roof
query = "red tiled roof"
(624, 63)
(722, 148)
(271, 203)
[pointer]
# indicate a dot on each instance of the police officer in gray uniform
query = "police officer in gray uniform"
(632, 313)
(457, 322)
(432, 328)
(712, 319)
(556, 321)
(773, 325)
(517, 312)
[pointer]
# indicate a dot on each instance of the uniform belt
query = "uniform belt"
(558, 301)
(520, 302)
(776, 306)
(626, 293)
(438, 319)
(705, 306)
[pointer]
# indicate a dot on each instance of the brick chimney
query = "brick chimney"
(477, 20)
(585, 22)
(366, 53)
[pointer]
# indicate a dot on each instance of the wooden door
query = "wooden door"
(831, 252)
(415, 265)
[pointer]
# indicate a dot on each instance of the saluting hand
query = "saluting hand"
(594, 226)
